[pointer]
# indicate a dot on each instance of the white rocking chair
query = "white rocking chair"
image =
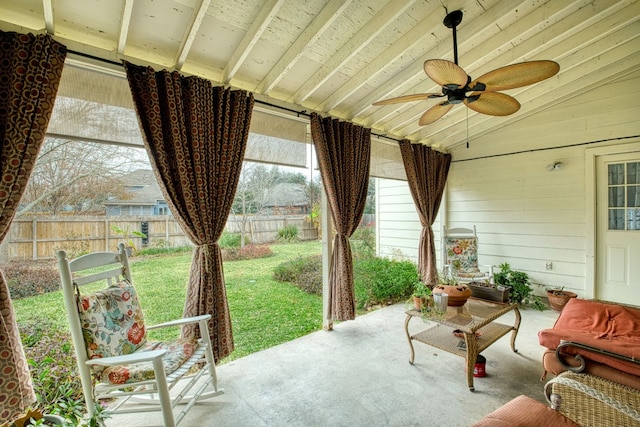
(460, 249)
(115, 360)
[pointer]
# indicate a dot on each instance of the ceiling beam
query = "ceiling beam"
(125, 22)
(199, 12)
(319, 25)
(354, 45)
(47, 10)
(252, 36)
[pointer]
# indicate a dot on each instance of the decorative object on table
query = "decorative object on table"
(520, 288)
(489, 291)
(558, 297)
(421, 294)
(458, 293)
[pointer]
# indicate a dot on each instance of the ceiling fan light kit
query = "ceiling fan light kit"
(482, 94)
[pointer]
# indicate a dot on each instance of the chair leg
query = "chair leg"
(163, 393)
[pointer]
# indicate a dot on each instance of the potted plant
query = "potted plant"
(520, 287)
(558, 297)
(421, 293)
(458, 293)
(127, 234)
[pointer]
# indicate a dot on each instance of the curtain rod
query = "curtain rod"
(268, 104)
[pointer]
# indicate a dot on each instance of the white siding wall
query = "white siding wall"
(397, 225)
(525, 215)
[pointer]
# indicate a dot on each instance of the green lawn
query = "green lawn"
(264, 312)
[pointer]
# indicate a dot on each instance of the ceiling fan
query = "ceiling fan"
(481, 94)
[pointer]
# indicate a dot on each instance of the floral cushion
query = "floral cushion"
(177, 353)
(113, 325)
(462, 255)
(112, 321)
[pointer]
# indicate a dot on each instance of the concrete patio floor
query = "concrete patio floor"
(359, 375)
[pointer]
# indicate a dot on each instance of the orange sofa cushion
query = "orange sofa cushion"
(524, 411)
(610, 327)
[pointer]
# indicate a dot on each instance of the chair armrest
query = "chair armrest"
(178, 322)
(127, 359)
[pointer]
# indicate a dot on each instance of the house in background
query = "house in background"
(146, 197)
(287, 199)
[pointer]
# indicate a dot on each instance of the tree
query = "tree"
(77, 176)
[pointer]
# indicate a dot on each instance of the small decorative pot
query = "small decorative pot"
(458, 294)
(557, 301)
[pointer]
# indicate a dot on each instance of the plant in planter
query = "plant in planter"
(489, 291)
(128, 234)
(521, 290)
(558, 297)
(421, 293)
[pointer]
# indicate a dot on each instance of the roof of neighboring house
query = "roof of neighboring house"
(143, 188)
(287, 194)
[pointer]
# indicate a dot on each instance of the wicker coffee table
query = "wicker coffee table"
(475, 321)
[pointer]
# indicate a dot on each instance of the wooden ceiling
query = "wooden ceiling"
(337, 57)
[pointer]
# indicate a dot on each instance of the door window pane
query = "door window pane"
(633, 196)
(633, 173)
(616, 174)
(634, 219)
(616, 197)
(616, 219)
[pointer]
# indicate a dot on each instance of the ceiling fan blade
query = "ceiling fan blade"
(446, 73)
(434, 113)
(492, 103)
(515, 75)
(407, 98)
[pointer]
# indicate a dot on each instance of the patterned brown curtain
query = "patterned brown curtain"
(30, 70)
(427, 172)
(196, 136)
(344, 154)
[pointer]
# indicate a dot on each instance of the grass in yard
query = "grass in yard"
(264, 312)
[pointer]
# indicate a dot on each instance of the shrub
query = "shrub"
(246, 252)
(288, 233)
(53, 369)
(363, 242)
(305, 273)
(30, 278)
(381, 280)
(230, 240)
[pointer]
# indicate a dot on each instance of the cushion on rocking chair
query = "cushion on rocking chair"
(461, 254)
(177, 353)
(112, 321)
(113, 325)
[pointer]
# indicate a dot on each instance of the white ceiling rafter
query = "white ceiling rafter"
(199, 12)
(125, 22)
(47, 9)
(365, 35)
(325, 18)
(252, 36)
(385, 59)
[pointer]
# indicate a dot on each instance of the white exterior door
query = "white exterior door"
(618, 228)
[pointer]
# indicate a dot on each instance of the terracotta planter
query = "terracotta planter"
(458, 294)
(558, 301)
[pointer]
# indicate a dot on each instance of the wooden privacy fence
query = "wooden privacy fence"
(40, 237)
